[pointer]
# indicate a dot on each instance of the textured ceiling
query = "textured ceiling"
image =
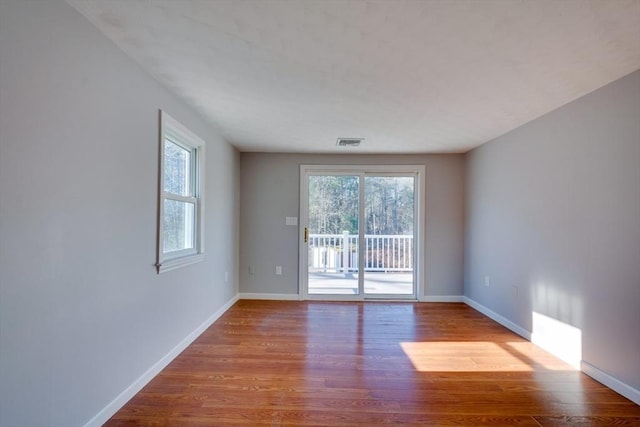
(409, 76)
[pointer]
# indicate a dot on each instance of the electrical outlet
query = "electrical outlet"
(487, 281)
(226, 276)
(278, 270)
(252, 270)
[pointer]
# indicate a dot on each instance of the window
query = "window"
(180, 227)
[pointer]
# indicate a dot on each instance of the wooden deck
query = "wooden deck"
(275, 363)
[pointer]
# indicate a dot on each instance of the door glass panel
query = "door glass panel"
(333, 234)
(388, 246)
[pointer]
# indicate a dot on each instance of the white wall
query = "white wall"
(270, 192)
(82, 312)
(553, 208)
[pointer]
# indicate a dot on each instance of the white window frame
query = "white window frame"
(177, 133)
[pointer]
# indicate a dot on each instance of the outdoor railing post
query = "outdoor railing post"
(345, 252)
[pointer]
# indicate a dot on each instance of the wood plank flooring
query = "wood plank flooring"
(275, 363)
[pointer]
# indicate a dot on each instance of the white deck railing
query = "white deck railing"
(339, 252)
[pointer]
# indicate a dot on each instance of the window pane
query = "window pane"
(178, 227)
(177, 169)
(389, 205)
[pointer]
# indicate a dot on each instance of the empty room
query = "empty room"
(319, 212)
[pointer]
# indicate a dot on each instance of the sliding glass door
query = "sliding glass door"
(359, 232)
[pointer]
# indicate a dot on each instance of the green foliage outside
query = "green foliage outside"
(333, 205)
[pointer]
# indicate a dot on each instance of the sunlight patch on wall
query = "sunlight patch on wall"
(560, 339)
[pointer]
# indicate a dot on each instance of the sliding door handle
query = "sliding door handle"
(306, 234)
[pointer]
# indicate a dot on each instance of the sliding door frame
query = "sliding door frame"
(418, 171)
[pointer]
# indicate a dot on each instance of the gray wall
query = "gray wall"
(82, 312)
(270, 192)
(553, 208)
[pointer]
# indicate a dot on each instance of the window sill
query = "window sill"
(172, 264)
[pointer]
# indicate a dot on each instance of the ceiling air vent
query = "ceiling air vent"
(349, 142)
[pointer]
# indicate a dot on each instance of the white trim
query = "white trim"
(303, 251)
(337, 298)
(390, 297)
(420, 221)
(613, 383)
(108, 411)
(187, 139)
(180, 131)
(268, 296)
(172, 264)
(498, 318)
(442, 298)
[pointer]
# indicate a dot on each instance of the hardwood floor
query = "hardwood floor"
(342, 364)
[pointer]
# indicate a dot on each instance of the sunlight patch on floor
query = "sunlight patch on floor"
(472, 356)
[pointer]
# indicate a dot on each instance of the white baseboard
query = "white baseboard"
(498, 318)
(611, 382)
(595, 373)
(441, 298)
(101, 417)
(265, 296)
